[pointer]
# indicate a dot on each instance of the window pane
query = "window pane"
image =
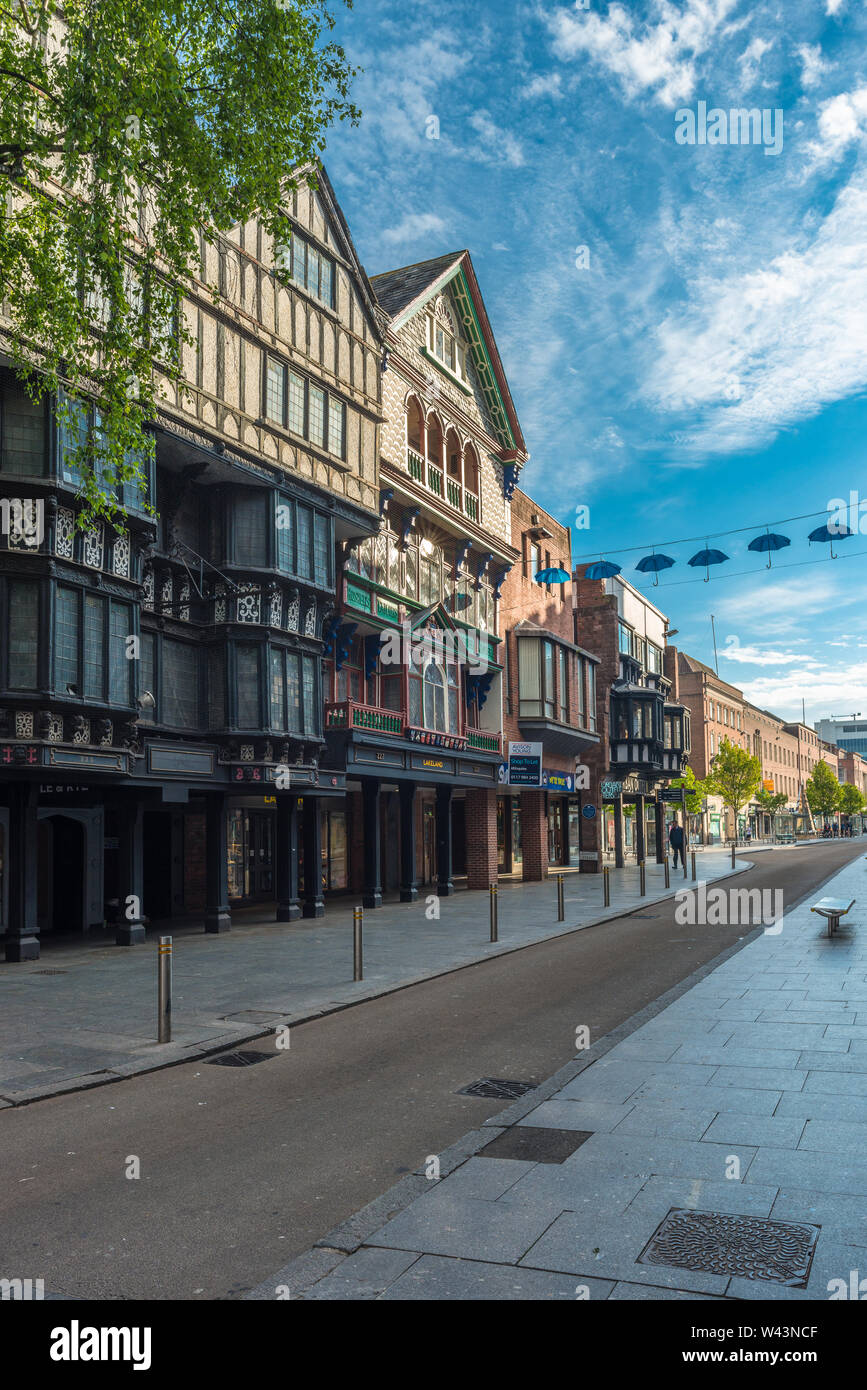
(529, 671)
(293, 692)
(249, 716)
(296, 403)
(72, 433)
(285, 534)
(278, 718)
(23, 635)
(299, 260)
(564, 685)
(326, 281)
(305, 542)
(251, 528)
(313, 271)
(22, 429)
(322, 550)
(180, 692)
(94, 609)
(317, 416)
(275, 391)
(147, 676)
(311, 711)
(336, 426)
(119, 664)
(549, 678)
(66, 635)
(216, 688)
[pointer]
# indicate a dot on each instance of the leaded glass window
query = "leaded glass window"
(94, 661)
(275, 391)
(180, 682)
(322, 549)
(297, 386)
(119, 664)
(67, 632)
(336, 427)
(148, 677)
(305, 542)
(317, 415)
(247, 664)
(251, 521)
(311, 708)
(23, 635)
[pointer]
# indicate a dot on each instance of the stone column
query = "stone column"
(481, 822)
(286, 856)
(130, 924)
(408, 871)
(445, 887)
(371, 894)
(218, 918)
(314, 903)
(22, 929)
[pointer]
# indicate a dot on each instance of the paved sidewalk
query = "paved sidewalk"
(85, 1015)
(744, 1096)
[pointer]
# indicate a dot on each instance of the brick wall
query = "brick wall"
(481, 837)
(534, 835)
(596, 631)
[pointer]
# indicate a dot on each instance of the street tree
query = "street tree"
(772, 802)
(851, 800)
(132, 132)
(823, 791)
(695, 791)
(735, 775)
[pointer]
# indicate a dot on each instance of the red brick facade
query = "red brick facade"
(481, 837)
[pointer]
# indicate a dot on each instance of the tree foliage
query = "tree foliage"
(823, 790)
(735, 775)
(771, 801)
(128, 129)
(851, 800)
(695, 791)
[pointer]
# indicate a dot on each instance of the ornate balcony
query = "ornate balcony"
(450, 490)
(349, 715)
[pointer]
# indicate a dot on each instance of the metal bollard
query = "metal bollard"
(692, 863)
(733, 853)
(606, 885)
(683, 856)
(494, 913)
(561, 899)
(164, 989)
(357, 943)
(642, 879)
(667, 872)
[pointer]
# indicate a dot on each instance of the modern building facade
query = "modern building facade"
(161, 736)
(849, 734)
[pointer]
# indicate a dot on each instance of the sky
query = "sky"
(682, 321)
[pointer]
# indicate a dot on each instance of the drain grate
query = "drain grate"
(535, 1144)
(713, 1242)
(240, 1059)
(49, 972)
(489, 1088)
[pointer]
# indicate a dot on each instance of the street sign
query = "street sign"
(525, 764)
(673, 793)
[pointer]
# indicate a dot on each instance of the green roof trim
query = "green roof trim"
(478, 348)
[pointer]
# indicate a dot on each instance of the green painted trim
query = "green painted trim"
(441, 367)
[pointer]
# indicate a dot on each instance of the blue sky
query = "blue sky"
(701, 366)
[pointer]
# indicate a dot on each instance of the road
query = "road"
(240, 1169)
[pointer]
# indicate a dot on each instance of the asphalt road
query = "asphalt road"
(240, 1169)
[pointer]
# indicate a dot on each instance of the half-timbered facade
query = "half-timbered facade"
(161, 735)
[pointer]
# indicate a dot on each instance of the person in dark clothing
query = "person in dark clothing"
(675, 839)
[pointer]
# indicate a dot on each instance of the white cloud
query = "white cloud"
(496, 145)
(823, 691)
(842, 120)
(753, 655)
(751, 58)
(414, 226)
(813, 65)
(833, 7)
(544, 85)
(777, 604)
(754, 352)
(657, 56)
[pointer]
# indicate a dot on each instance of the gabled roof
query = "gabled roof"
(402, 293)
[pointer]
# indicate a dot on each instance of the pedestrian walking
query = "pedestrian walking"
(675, 839)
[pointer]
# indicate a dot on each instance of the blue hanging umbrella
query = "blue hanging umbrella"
(707, 558)
(652, 564)
(767, 543)
(825, 536)
(556, 575)
(602, 569)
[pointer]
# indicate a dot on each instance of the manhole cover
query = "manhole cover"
(48, 972)
(714, 1243)
(240, 1059)
(535, 1144)
(488, 1087)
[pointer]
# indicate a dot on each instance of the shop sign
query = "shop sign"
(358, 598)
(588, 854)
(525, 765)
(768, 784)
(558, 781)
(611, 790)
(387, 610)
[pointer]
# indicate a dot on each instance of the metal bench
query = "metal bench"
(833, 909)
